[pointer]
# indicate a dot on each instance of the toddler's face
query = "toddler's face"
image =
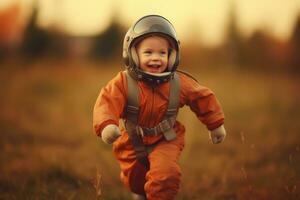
(153, 54)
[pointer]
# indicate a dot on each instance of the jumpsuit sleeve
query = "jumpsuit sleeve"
(202, 101)
(110, 104)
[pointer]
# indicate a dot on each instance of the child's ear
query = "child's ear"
(134, 56)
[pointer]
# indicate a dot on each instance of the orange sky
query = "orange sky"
(200, 19)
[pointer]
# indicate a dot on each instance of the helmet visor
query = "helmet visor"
(154, 24)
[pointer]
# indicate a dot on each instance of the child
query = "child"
(147, 96)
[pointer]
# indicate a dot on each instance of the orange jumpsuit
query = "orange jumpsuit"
(162, 179)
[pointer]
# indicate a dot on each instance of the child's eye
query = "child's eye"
(163, 52)
(147, 52)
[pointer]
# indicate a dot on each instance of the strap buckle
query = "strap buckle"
(164, 125)
(171, 112)
(140, 131)
(132, 109)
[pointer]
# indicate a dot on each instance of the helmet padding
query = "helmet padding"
(171, 51)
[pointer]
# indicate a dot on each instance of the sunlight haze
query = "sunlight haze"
(203, 20)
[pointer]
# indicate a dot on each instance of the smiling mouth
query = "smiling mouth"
(154, 66)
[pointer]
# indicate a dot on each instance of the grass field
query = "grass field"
(48, 149)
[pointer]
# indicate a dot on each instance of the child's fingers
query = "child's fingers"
(217, 139)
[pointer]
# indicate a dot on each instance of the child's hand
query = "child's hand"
(110, 133)
(218, 135)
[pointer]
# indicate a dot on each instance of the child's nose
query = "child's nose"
(155, 56)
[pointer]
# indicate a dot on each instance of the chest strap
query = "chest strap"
(162, 127)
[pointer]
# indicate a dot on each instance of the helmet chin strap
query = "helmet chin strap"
(158, 74)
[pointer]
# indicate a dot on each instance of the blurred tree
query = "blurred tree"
(257, 49)
(295, 47)
(36, 41)
(233, 40)
(109, 42)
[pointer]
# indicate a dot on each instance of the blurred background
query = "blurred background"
(55, 55)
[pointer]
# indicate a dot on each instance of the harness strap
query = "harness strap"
(132, 109)
(174, 96)
(172, 107)
(136, 132)
(137, 143)
(132, 112)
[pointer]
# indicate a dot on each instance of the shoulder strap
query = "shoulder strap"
(173, 97)
(171, 114)
(132, 109)
(132, 112)
(133, 98)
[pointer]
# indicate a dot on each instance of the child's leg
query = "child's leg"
(163, 178)
(132, 172)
